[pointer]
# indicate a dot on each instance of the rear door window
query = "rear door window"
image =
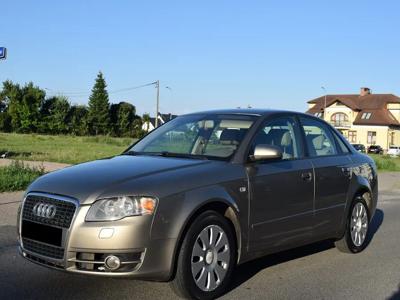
(319, 139)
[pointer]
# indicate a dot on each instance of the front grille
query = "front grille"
(44, 235)
(64, 211)
(42, 261)
(42, 249)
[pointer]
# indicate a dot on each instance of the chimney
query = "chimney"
(365, 91)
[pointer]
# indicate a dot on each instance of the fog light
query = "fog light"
(112, 262)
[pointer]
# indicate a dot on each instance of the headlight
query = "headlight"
(112, 209)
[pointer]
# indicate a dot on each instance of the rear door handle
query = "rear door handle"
(306, 176)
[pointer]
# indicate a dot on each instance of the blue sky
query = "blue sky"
(213, 54)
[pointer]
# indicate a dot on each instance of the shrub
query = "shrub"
(386, 163)
(17, 176)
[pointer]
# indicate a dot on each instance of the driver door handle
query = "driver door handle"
(347, 172)
(306, 176)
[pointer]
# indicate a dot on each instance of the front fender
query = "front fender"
(175, 213)
(176, 210)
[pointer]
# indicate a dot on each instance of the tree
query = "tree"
(23, 105)
(78, 120)
(126, 115)
(138, 131)
(114, 130)
(122, 116)
(5, 119)
(11, 95)
(98, 117)
(5, 122)
(26, 109)
(29, 109)
(54, 113)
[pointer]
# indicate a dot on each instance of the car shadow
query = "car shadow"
(396, 295)
(376, 222)
(247, 270)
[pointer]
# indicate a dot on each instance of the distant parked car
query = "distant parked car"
(394, 151)
(375, 149)
(359, 147)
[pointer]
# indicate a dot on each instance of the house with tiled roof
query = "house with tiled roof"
(365, 118)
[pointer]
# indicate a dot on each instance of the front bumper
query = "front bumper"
(85, 249)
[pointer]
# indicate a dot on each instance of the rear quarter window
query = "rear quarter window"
(342, 145)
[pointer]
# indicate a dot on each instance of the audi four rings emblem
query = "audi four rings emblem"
(44, 210)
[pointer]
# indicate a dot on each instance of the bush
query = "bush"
(386, 163)
(17, 176)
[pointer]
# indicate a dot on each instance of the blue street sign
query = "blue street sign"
(3, 52)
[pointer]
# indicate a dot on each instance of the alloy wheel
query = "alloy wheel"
(210, 258)
(359, 224)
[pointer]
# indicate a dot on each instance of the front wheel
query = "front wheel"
(206, 259)
(357, 226)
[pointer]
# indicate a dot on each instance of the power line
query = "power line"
(76, 94)
(155, 83)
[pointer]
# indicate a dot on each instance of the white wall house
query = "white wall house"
(365, 118)
(162, 119)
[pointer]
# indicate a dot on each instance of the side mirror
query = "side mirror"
(266, 152)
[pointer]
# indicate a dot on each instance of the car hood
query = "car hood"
(87, 181)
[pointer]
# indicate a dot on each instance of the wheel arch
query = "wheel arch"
(366, 194)
(222, 206)
(360, 189)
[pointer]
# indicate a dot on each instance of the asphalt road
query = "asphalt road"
(316, 271)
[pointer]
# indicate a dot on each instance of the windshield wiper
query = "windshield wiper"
(167, 154)
(133, 153)
(178, 155)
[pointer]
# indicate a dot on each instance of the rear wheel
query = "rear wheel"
(357, 226)
(206, 259)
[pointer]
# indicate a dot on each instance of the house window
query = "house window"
(339, 119)
(366, 116)
(318, 114)
(371, 137)
(391, 138)
(352, 136)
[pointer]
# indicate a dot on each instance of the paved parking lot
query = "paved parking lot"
(316, 271)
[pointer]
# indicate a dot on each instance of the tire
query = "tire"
(203, 270)
(355, 237)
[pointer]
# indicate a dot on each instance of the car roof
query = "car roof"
(247, 111)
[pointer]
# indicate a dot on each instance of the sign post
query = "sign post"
(3, 52)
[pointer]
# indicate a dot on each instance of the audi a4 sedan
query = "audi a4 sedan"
(198, 196)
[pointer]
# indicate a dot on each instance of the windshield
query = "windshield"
(197, 136)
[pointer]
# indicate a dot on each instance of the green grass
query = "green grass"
(17, 176)
(386, 163)
(61, 148)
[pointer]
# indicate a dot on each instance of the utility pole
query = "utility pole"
(157, 83)
(325, 100)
